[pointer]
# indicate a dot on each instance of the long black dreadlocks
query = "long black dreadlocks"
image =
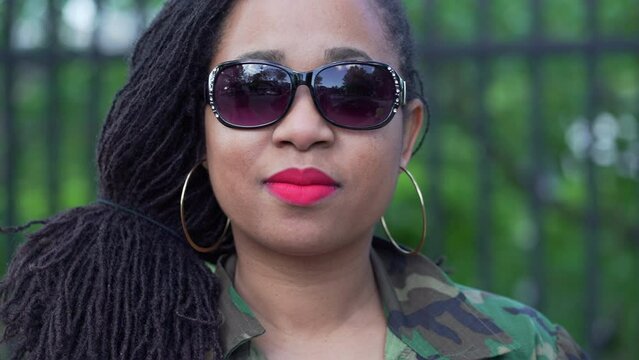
(96, 282)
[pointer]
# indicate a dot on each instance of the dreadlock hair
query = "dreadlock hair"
(96, 282)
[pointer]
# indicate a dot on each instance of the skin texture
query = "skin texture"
(305, 271)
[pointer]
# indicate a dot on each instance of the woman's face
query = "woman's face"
(303, 35)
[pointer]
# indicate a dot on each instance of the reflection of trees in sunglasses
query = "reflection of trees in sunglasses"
(251, 94)
(253, 79)
(357, 80)
(337, 103)
(356, 95)
(353, 95)
(268, 80)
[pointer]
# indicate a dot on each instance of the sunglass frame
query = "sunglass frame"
(307, 78)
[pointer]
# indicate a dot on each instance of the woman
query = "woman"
(282, 169)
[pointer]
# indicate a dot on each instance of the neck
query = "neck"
(308, 295)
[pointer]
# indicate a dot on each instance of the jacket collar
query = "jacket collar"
(423, 307)
(239, 324)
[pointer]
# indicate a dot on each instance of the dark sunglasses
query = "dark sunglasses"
(357, 95)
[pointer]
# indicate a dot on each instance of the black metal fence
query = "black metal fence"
(55, 94)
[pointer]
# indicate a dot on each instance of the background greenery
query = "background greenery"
(485, 65)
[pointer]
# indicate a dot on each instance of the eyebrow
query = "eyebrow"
(345, 53)
(330, 55)
(269, 55)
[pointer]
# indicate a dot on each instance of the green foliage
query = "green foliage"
(456, 20)
(564, 20)
(510, 19)
(619, 17)
(31, 142)
(75, 189)
(452, 84)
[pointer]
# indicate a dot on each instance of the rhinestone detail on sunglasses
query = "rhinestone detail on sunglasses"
(328, 104)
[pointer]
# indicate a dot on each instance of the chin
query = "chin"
(304, 245)
(303, 242)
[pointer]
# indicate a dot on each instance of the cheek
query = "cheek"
(376, 168)
(230, 156)
(387, 147)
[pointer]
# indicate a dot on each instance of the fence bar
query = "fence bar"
(537, 159)
(446, 51)
(52, 115)
(636, 243)
(592, 212)
(433, 145)
(482, 126)
(9, 137)
(141, 10)
(436, 51)
(93, 101)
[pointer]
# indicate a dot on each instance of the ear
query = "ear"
(413, 114)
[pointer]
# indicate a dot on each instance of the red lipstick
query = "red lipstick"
(301, 187)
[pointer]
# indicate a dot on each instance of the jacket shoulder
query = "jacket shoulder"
(538, 337)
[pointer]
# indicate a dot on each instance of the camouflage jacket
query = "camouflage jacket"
(428, 316)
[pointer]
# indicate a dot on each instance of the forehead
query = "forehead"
(304, 34)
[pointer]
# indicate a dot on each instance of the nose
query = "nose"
(303, 126)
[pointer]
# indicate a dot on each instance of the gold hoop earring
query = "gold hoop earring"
(183, 220)
(421, 202)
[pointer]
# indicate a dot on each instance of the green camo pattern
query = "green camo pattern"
(428, 317)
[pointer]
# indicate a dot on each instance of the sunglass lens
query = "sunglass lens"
(252, 95)
(357, 96)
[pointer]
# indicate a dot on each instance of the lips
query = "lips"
(301, 187)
